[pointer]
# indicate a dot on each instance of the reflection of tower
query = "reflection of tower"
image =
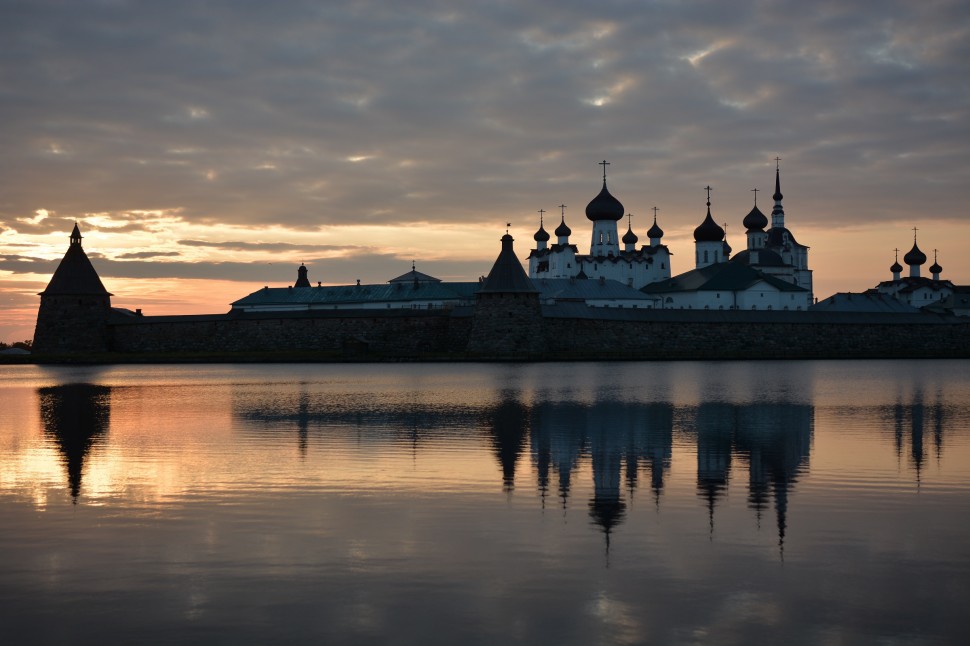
(714, 424)
(508, 422)
(658, 442)
(303, 419)
(776, 439)
(607, 439)
(563, 427)
(75, 416)
(541, 449)
(938, 414)
(916, 433)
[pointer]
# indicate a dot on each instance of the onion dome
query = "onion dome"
(755, 220)
(629, 237)
(726, 248)
(541, 235)
(935, 268)
(605, 207)
(655, 231)
(709, 230)
(562, 230)
(915, 256)
(896, 267)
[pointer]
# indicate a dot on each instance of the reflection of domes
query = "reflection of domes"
(755, 220)
(604, 207)
(629, 237)
(562, 230)
(541, 235)
(915, 256)
(709, 230)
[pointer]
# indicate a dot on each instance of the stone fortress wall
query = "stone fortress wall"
(550, 333)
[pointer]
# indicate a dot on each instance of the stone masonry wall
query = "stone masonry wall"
(778, 340)
(501, 332)
(407, 335)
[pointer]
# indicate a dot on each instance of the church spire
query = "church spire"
(778, 212)
(76, 236)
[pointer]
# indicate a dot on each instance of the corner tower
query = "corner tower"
(507, 321)
(74, 309)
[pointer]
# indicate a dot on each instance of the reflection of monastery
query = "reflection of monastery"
(623, 445)
(611, 302)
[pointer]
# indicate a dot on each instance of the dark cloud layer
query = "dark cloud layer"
(251, 113)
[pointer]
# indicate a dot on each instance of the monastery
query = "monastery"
(641, 309)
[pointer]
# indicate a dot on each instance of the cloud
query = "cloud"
(254, 116)
(267, 246)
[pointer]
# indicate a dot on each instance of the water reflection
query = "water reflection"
(75, 418)
(373, 503)
(623, 445)
(618, 440)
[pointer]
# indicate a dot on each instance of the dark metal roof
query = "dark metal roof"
(755, 220)
(75, 274)
(562, 230)
(604, 206)
(914, 256)
(766, 258)
(655, 231)
(870, 301)
(709, 230)
(629, 237)
(541, 235)
(777, 238)
(507, 275)
(414, 276)
(571, 289)
(721, 276)
(359, 294)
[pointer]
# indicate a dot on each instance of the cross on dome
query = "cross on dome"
(604, 164)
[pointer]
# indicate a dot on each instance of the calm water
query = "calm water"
(797, 502)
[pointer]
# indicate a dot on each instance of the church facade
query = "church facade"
(772, 273)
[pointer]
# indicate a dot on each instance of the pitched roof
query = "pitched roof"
(414, 276)
(507, 275)
(870, 301)
(358, 294)
(721, 276)
(75, 274)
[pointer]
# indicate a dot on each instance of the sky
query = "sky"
(208, 148)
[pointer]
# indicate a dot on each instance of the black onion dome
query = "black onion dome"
(541, 235)
(896, 267)
(629, 237)
(935, 268)
(655, 231)
(727, 248)
(915, 256)
(755, 220)
(709, 230)
(562, 230)
(605, 207)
